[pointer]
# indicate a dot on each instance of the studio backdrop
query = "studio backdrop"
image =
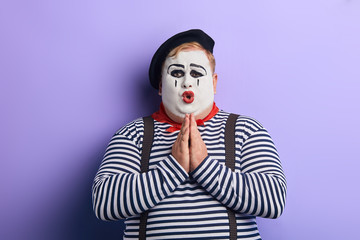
(73, 72)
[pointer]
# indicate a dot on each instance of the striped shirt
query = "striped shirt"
(191, 205)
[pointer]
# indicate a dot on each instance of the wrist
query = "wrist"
(196, 162)
(198, 168)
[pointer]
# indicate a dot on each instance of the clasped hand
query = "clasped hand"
(189, 148)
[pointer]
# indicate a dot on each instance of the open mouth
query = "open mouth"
(188, 96)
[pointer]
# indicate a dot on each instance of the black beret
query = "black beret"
(193, 35)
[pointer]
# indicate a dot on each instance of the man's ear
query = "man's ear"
(160, 89)
(215, 78)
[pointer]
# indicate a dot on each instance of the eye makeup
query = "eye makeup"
(178, 73)
(198, 68)
(195, 74)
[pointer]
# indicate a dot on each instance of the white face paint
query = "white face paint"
(187, 83)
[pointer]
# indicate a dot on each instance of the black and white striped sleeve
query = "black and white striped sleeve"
(120, 190)
(258, 188)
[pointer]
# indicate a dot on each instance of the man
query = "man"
(188, 190)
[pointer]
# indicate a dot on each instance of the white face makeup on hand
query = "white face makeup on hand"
(187, 83)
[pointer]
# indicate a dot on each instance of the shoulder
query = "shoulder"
(131, 127)
(249, 123)
(242, 120)
(244, 126)
(133, 130)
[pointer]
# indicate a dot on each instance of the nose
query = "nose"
(187, 83)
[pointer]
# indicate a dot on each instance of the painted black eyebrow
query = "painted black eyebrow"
(198, 66)
(176, 65)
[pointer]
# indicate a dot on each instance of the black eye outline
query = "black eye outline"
(196, 74)
(178, 73)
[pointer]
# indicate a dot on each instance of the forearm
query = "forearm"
(123, 195)
(257, 194)
(120, 190)
(258, 185)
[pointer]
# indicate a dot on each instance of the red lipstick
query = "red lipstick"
(188, 96)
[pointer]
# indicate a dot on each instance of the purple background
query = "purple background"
(73, 72)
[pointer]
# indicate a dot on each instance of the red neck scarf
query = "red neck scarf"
(161, 116)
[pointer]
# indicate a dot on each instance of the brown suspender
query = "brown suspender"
(229, 162)
(147, 142)
(145, 156)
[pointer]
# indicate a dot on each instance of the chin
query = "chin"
(189, 110)
(186, 109)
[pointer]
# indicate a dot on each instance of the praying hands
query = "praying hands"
(189, 148)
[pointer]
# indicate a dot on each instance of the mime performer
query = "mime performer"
(188, 192)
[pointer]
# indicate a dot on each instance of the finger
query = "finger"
(183, 126)
(184, 123)
(185, 129)
(193, 126)
(195, 136)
